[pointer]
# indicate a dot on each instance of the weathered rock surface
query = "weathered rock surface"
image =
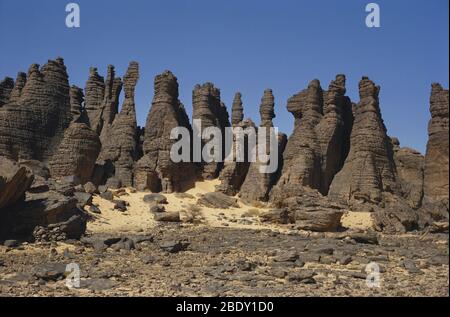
(369, 169)
(234, 172)
(120, 143)
(312, 211)
(155, 170)
(102, 99)
(208, 108)
(409, 164)
(32, 125)
(217, 200)
(237, 110)
(6, 86)
(436, 186)
(76, 105)
(257, 185)
(77, 153)
(316, 150)
(14, 182)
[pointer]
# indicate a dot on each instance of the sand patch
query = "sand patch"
(357, 220)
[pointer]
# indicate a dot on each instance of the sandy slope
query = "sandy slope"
(138, 218)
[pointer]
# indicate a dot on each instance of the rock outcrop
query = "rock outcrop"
(120, 144)
(317, 148)
(369, 169)
(21, 80)
(409, 164)
(257, 185)
(208, 108)
(156, 171)
(233, 173)
(102, 99)
(6, 86)
(14, 182)
(436, 187)
(237, 110)
(32, 126)
(77, 153)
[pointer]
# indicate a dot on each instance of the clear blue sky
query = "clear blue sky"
(247, 46)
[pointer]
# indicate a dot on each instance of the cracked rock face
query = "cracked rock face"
(76, 154)
(208, 108)
(369, 169)
(102, 99)
(33, 122)
(409, 164)
(317, 148)
(436, 187)
(6, 86)
(120, 144)
(155, 170)
(257, 185)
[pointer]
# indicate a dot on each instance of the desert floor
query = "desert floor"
(225, 253)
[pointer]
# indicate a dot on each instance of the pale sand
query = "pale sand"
(357, 220)
(138, 217)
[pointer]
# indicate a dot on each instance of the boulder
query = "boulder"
(217, 200)
(14, 182)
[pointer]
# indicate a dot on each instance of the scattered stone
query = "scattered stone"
(155, 198)
(172, 216)
(120, 205)
(107, 195)
(173, 246)
(11, 243)
(90, 188)
(217, 200)
(157, 208)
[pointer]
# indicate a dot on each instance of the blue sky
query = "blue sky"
(247, 46)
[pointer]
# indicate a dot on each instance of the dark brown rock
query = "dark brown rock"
(208, 108)
(32, 126)
(14, 182)
(409, 164)
(257, 185)
(237, 111)
(436, 182)
(369, 170)
(217, 200)
(21, 80)
(155, 170)
(120, 146)
(316, 150)
(77, 153)
(233, 174)
(102, 100)
(6, 86)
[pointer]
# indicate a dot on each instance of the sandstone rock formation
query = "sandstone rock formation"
(257, 185)
(21, 80)
(237, 111)
(32, 126)
(14, 182)
(233, 173)
(317, 148)
(155, 170)
(369, 169)
(120, 144)
(76, 104)
(102, 99)
(409, 164)
(208, 108)
(6, 86)
(77, 153)
(436, 186)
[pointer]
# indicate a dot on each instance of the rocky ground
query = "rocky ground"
(197, 260)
